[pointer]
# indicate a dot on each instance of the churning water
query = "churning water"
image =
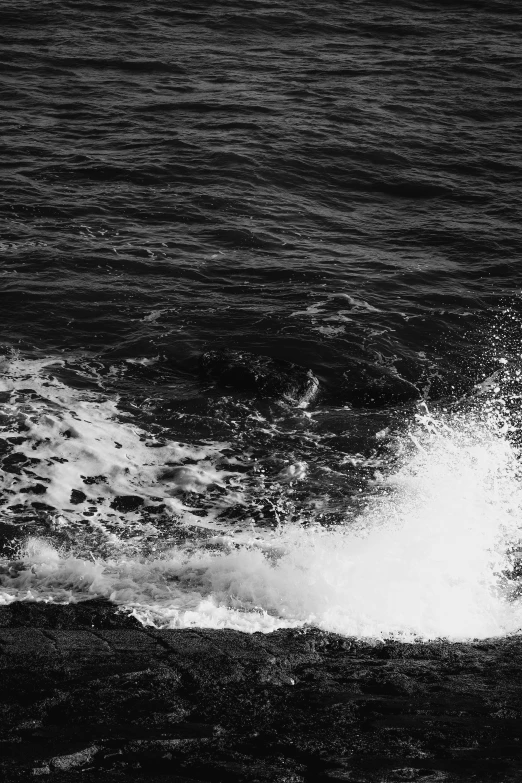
(334, 185)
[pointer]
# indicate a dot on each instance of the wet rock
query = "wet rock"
(210, 705)
(97, 613)
(261, 375)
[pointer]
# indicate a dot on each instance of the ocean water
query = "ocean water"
(332, 184)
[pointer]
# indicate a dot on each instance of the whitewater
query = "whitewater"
(432, 552)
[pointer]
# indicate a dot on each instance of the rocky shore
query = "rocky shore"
(89, 695)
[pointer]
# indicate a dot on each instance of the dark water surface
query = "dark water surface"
(337, 184)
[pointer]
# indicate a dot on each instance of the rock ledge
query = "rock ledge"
(129, 703)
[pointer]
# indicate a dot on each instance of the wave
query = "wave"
(434, 552)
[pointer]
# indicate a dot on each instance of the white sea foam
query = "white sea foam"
(431, 556)
(76, 440)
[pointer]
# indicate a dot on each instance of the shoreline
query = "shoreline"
(88, 694)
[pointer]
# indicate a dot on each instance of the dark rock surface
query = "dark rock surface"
(84, 699)
(261, 375)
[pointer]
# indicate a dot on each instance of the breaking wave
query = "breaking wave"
(434, 552)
